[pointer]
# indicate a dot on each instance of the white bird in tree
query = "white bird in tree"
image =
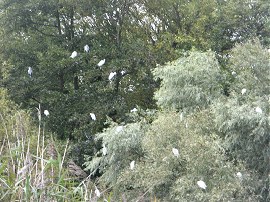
(104, 150)
(93, 116)
(86, 48)
(132, 165)
(46, 112)
(258, 110)
(30, 71)
(123, 72)
(111, 75)
(101, 62)
(239, 175)
(97, 192)
(175, 152)
(74, 54)
(134, 110)
(119, 128)
(243, 91)
(201, 184)
(181, 116)
(234, 73)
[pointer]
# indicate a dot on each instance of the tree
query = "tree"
(160, 172)
(243, 117)
(44, 35)
(210, 24)
(189, 83)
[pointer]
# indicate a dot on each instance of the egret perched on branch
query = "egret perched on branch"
(93, 116)
(132, 165)
(119, 128)
(112, 74)
(74, 54)
(123, 72)
(104, 150)
(86, 48)
(134, 110)
(175, 152)
(101, 62)
(243, 91)
(46, 112)
(30, 71)
(258, 110)
(239, 175)
(97, 192)
(201, 184)
(181, 116)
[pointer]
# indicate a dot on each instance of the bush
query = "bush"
(31, 165)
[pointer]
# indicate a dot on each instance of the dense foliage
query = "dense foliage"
(33, 165)
(216, 138)
(185, 76)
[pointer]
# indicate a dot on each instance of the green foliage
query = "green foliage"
(190, 82)
(158, 172)
(250, 61)
(211, 24)
(245, 129)
(201, 158)
(32, 165)
(122, 145)
(216, 136)
(45, 40)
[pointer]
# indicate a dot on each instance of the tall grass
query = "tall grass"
(32, 168)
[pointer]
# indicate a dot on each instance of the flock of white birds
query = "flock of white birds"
(201, 184)
(175, 151)
(73, 55)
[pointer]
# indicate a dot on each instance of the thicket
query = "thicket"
(183, 97)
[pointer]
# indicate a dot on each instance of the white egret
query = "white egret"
(111, 75)
(46, 112)
(175, 152)
(258, 110)
(132, 165)
(201, 184)
(234, 73)
(123, 72)
(74, 54)
(93, 116)
(86, 48)
(104, 150)
(101, 62)
(30, 71)
(181, 116)
(97, 192)
(119, 128)
(243, 91)
(239, 175)
(134, 110)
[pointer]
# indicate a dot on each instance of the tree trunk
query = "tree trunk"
(76, 82)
